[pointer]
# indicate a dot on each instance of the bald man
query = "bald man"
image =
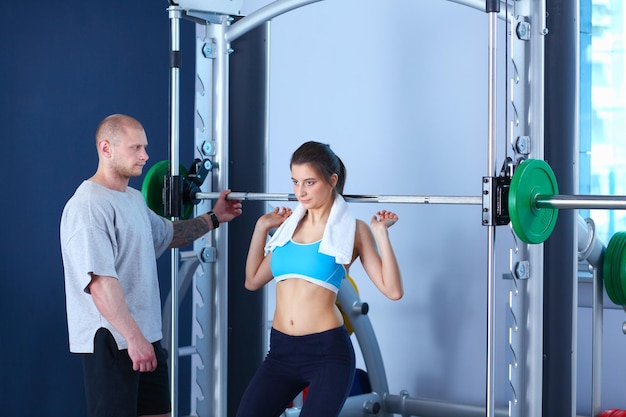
(110, 241)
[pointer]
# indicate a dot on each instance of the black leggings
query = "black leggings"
(322, 361)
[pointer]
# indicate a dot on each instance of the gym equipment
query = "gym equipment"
(614, 268)
(531, 178)
(360, 307)
(525, 95)
(155, 184)
(531, 198)
(154, 192)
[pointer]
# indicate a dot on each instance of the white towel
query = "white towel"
(338, 238)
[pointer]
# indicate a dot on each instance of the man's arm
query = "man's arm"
(109, 298)
(186, 231)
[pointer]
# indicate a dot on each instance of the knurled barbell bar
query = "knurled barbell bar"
(352, 198)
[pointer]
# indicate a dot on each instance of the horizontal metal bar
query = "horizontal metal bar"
(412, 406)
(402, 199)
(187, 351)
(609, 202)
(262, 15)
(279, 7)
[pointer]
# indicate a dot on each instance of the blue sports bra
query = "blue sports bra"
(302, 260)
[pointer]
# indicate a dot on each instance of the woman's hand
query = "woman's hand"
(384, 218)
(274, 218)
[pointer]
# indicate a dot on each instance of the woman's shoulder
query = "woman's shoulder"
(362, 230)
(361, 224)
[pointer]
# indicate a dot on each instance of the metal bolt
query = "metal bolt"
(230, 51)
(207, 147)
(207, 50)
(208, 254)
(522, 145)
(522, 270)
(208, 165)
(523, 31)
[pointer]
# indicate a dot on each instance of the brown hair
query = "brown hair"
(323, 159)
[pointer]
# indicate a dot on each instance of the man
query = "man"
(110, 241)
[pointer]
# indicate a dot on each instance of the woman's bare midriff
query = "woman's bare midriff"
(305, 308)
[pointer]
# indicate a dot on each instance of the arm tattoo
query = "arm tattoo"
(186, 231)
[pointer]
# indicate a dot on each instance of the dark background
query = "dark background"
(64, 67)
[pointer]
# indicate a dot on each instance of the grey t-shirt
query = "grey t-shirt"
(111, 233)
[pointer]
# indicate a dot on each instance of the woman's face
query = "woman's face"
(310, 188)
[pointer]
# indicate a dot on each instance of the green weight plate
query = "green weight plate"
(607, 270)
(152, 188)
(531, 178)
(620, 260)
(611, 269)
(615, 277)
(615, 270)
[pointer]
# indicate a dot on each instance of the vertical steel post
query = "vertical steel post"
(492, 9)
(533, 353)
(210, 333)
(220, 236)
(596, 342)
(202, 375)
(175, 14)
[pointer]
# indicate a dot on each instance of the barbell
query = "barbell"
(532, 198)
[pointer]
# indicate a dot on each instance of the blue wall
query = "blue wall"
(64, 67)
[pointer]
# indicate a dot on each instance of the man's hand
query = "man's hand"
(226, 210)
(108, 296)
(142, 354)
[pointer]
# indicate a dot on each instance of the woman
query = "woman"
(309, 255)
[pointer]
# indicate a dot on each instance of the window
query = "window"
(603, 109)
